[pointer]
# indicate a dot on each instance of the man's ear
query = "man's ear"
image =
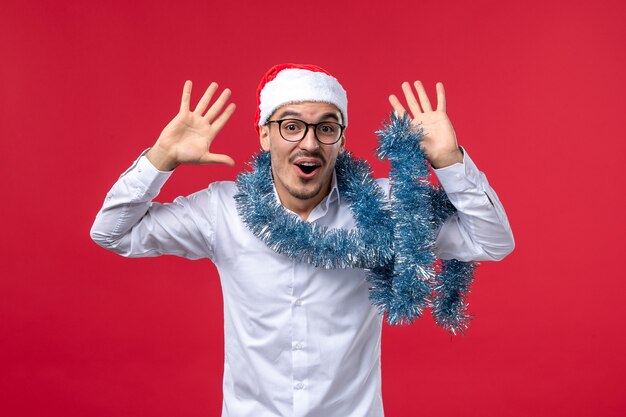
(264, 137)
(342, 144)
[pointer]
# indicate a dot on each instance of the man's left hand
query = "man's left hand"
(439, 141)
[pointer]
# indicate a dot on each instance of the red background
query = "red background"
(535, 91)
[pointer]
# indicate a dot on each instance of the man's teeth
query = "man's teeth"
(308, 167)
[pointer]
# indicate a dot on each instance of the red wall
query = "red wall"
(535, 91)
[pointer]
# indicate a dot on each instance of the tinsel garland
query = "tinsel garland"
(285, 233)
(393, 238)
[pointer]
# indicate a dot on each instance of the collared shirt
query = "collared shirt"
(299, 341)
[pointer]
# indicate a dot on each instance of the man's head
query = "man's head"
(301, 118)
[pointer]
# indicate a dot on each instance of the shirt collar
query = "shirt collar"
(334, 190)
(333, 196)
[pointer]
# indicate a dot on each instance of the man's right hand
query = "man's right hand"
(188, 137)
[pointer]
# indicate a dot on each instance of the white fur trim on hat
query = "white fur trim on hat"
(294, 85)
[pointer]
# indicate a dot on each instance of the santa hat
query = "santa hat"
(296, 83)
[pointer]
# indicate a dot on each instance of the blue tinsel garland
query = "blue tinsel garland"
(393, 238)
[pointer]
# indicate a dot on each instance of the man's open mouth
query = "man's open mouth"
(307, 168)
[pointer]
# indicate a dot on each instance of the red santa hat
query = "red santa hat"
(296, 83)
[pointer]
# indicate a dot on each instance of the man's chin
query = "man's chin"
(305, 193)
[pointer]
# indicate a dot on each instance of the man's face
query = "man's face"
(302, 170)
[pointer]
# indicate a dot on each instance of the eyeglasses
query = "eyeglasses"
(294, 130)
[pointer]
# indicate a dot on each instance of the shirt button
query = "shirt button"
(298, 346)
(299, 386)
(298, 302)
(139, 169)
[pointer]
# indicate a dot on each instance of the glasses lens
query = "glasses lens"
(328, 132)
(292, 129)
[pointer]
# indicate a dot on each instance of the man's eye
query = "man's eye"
(292, 127)
(327, 129)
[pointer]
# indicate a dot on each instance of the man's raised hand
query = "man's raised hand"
(439, 141)
(188, 137)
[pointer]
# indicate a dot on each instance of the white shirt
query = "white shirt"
(299, 341)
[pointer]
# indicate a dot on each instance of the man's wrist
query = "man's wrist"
(455, 157)
(160, 159)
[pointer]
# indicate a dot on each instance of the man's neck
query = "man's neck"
(301, 207)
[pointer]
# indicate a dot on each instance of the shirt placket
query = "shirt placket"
(299, 340)
(300, 351)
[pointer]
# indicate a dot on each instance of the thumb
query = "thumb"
(217, 158)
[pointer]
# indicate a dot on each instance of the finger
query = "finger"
(206, 98)
(410, 99)
(184, 102)
(219, 123)
(396, 105)
(217, 158)
(217, 106)
(421, 93)
(441, 97)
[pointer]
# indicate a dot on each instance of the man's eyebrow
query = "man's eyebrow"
(330, 115)
(289, 113)
(292, 113)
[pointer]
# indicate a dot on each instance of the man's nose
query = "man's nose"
(309, 141)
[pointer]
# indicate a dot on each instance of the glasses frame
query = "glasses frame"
(306, 130)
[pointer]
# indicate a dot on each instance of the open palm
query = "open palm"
(187, 138)
(439, 141)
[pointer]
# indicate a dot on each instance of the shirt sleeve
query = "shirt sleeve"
(479, 230)
(130, 224)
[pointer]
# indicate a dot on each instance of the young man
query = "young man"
(301, 340)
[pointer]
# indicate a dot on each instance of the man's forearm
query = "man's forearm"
(480, 229)
(125, 204)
